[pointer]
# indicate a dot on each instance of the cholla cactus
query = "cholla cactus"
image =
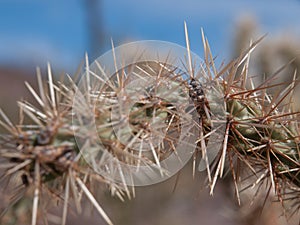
(43, 155)
(258, 132)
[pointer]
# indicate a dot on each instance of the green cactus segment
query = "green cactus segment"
(140, 118)
(142, 122)
(271, 140)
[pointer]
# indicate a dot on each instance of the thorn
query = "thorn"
(36, 192)
(188, 50)
(66, 200)
(51, 86)
(115, 62)
(94, 201)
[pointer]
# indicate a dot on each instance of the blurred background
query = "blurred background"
(34, 32)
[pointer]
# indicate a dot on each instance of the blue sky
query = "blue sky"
(34, 32)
